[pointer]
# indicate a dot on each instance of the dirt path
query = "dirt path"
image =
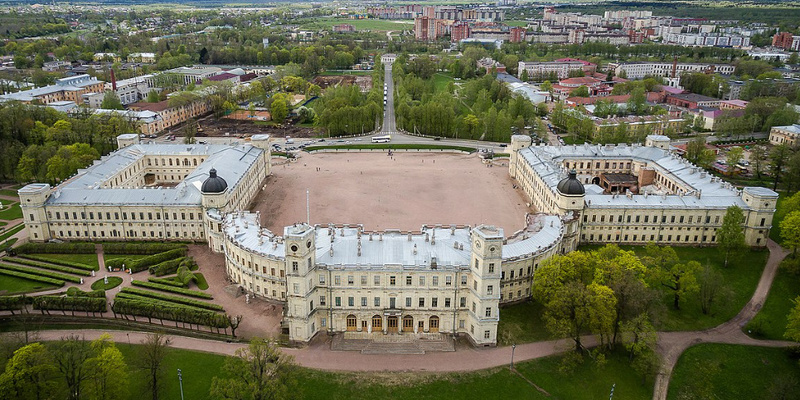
(672, 344)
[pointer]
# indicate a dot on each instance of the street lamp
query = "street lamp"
(513, 347)
(180, 380)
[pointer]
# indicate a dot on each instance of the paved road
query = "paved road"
(389, 126)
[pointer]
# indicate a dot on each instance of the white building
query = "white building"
(638, 70)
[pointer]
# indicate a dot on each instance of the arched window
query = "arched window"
(434, 324)
(351, 323)
(408, 322)
(377, 322)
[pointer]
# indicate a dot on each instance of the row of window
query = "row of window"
(125, 215)
(643, 238)
(376, 280)
(130, 233)
(646, 219)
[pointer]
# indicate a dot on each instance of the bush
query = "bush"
(51, 267)
(31, 277)
(56, 248)
(174, 299)
(88, 304)
(143, 263)
(130, 296)
(202, 284)
(76, 292)
(171, 289)
(59, 262)
(168, 267)
(756, 326)
(48, 274)
(140, 248)
(117, 263)
(174, 312)
(166, 281)
(12, 303)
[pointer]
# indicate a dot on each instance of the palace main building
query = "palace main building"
(342, 278)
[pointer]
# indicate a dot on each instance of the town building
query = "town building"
(561, 69)
(344, 28)
(784, 135)
(65, 89)
(639, 70)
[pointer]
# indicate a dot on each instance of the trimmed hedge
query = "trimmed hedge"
(174, 299)
(166, 281)
(55, 248)
(12, 303)
(76, 292)
(51, 267)
(140, 248)
(147, 262)
(201, 282)
(130, 296)
(173, 266)
(59, 262)
(174, 312)
(172, 289)
(88, 304)
(47, 274)
(37, 278)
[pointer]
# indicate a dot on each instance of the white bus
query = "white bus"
(382, 139)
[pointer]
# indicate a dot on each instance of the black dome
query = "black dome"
(571, 184)
(214, 184)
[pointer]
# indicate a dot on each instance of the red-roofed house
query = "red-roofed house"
(225, 76)
(733, 104)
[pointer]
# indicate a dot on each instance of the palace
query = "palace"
(438, 279)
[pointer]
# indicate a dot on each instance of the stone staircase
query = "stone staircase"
(378, 343)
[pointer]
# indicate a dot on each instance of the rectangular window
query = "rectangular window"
(422, 281)
(337, 280)
(408, 301)
(351, 301)
(488, 311)
(473, 307)
(461, 323)
(363, 302)
(322, 300)
(487, 334)
(448, 280)
(447, 302)
(338, 301)
(296, 288)
(391, 281)
(294, 266)
(489, 289)
(321, 279)
(435, 281)
(350, 280)
(363, 280)
(462, 302)
(408, 281)
(491, 268)
(376, 280)
(475, 285)
(422, 302)
(435, 302)
(463, 280)
(377, 301)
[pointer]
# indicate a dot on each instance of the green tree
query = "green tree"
(151, 360)
(258, 372)
(790, 231)
(734, 156)
(68, 159)
(153, 97)
(111, 101)
(793, 325)
(667, 271)
(70, 355)
(777, 160)
(712, 287)
(523, 76)
(28, 375)
(279, 109)
(580, 91)
(730, 235)
(698, 154)
(758, 157)
(108, 371)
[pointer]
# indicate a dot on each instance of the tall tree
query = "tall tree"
(790, 231)
(667, 271)
(111, 101)
(712, 287)
(29, 374)
(777, 160)
(733, 157)
(151, 360)
(70, 355)
(258, 372)
(730, 235)
(108, 371)
(793, 324)
(758, 157)
(698, 154)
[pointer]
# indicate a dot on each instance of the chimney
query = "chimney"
(113, 80)
(674, 66)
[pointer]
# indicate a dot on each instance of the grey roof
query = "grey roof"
(701, 190)
(214, 183)
(571, 185)
(86, 187)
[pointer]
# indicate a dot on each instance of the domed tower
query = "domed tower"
(214, 191)
(570, 193)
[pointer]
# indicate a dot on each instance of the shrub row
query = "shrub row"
(140, 248)
(168, 268)
(12, 303)
(59, 262)
(47, 274)
(55, 248)
(143, 263)
(51, 267)
(174, 299)
(75, 292)
(172, 289)
(36, 278)
(166, 281)
(173, 312)
(130, 296)
(88, 304)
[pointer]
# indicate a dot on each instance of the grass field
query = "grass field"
(770, 322)
(587, 381)
(441, 80)
(741, 277)
(12, 231)
(522, 323)
(732, 372)
(113, 281)
(359, 24)
(12, 213)
(775, 232)
(14, 285)
(88, 259)
(9, 192)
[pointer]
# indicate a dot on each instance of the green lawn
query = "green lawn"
(516, 23)
(770, 322)
(725, 371)
(741, 277)
(87, 259)
(14, 285)
(113, 281)
(441, 80)
(9, 192)
(8, 214)
(522, 323)
(587, 381)
(12, 231)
